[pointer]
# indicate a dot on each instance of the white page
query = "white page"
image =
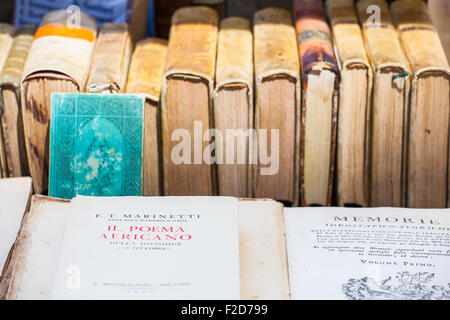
(116, 248)
(343, 253)
(14, 196)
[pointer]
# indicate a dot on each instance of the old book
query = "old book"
(164, 10)
(320, 76)
(428, 140)
(389, 107)
(145, 77)
(10, 110)
(258, 225)
(247, 8)
(233, 106)
(58, 61)
(6, 40)
(186, 110)
(219, 5)
(277, 110)
(110, 60)
(368, 254)
(440, 15)
(96, 145)
(15, 194)
(352, 159)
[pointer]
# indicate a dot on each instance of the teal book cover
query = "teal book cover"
(96, 145)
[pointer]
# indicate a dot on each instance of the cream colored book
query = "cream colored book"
(233, 106)
(428, 138)
(51, 236)
(15, 194)
(390, 104)
(354, 112)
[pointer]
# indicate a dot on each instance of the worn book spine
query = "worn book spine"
(389, 105)
(10, 111)
(59, 61)
(440, 15)
(145, 77)
(187, 93)
(233, 105)
(277, 109)
(110, 60)
(354, 105)
(430, 104)
(138, 20)
(164, 10)
(6, 40)
(317, 58)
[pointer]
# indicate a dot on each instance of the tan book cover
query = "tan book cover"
(277, 106)
(15, 195)
(354, 114)
(186, 103)
(320, 90)
(58, 61)
(390, 105)
(10, 110)
(440, 14)
(145, 76)
(233, 106)
(428, 138)
(111, 59)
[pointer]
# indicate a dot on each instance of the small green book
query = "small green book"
(96, 145)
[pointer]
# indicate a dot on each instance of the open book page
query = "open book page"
(368, 254)
(150, 248)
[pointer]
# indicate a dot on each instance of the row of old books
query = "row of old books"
(375, 114)
(215, 248)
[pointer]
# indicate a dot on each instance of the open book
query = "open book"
(224, 248)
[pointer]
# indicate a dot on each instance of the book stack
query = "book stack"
(328, 104)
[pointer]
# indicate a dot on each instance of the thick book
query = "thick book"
(233, 107)
(320, 90)
(428, 135)
(246, 259)
(58, 61)
(145, 77)
(440, 15)
(15, 195)
(353, 139)
(96, 145)
(110, 60)
(10, 110)
(186, 109)
(164, 10)
(390, 105)
(6, 40)
(368, 254)
(277, 107)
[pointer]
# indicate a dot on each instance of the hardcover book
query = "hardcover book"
(96, 145)
(58, 61)
(389, 108)
(440, 14)
(15, 194)
(277, 108)
(10, 110)
(187, 98)
(428, 136)
(320, 84)
(353, 140)
(244, 241)
(145, 77)
(233, 106)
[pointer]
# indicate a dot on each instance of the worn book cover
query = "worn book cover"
(320, 90)
(96, 145)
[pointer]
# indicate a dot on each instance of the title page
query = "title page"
(150, 248)
(368, 254)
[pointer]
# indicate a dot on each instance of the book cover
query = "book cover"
(96, 145)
